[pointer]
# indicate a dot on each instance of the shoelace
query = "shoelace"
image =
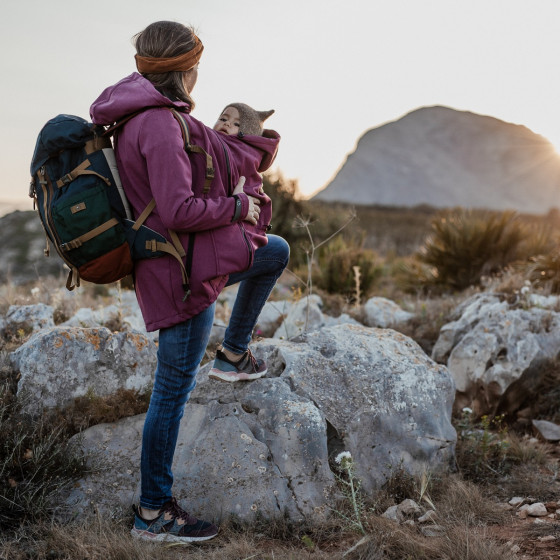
(254, 362)
(178, 512)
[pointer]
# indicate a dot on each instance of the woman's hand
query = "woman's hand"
(254, 203)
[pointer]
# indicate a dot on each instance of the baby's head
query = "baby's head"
(238, 118)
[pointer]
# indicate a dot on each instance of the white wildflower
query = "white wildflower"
(341, 456)
(525, 290)
(35, 291)
(467, 410)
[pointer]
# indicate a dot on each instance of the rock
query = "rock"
(547, 538)
(375, 386)
(304, 315)
(548, 430)
(342, 319)
(516, 502)
(393, 514)
(226, 461)
(465, 316)
(125, 314)
(384, 313)
(432, 530)
(271, 317)
(27, 318)
(492, 344)
(522, 514)
(263, 447)
(409, 508)
(61, 363)
(429, 516)
(537, 510)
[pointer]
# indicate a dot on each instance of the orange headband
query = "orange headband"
(181, 63)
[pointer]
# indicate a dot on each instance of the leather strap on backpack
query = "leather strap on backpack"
(195, 149)
(176, 249)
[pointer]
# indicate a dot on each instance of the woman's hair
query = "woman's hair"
(166, 39)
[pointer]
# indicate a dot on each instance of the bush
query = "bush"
(467, 245)
(336, 272)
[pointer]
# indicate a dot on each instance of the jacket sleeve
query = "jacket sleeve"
(170, 178)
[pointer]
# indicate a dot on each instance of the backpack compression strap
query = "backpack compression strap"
(176, 249)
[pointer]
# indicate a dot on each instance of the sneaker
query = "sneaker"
(173, 524)
(246, 368)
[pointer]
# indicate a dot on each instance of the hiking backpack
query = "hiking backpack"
(86, 216)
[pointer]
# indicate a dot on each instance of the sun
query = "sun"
(554, 139)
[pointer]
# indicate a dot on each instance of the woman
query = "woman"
(153, 164)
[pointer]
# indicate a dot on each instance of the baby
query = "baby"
(242, 122)
(240, 119)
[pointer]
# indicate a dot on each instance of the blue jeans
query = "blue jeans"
(254, 288)
(181, 349)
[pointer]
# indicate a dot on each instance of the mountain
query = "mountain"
(445, 158)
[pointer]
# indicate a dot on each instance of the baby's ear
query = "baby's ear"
(263, 115)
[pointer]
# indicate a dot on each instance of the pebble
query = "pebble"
(517, 501)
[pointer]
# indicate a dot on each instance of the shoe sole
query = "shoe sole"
(167, 537)
(228, 377)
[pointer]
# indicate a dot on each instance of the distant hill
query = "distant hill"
(7, 206)
(445, 158)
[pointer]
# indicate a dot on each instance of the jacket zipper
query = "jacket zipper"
(230, 189)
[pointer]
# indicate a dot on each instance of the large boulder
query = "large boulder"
(265, 457)
(263, 448)
(61, 363)
(386, 402)
(491, 343)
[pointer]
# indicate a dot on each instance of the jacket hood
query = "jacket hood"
(127, 96)
(267, 145)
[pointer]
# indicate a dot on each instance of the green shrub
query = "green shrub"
(466, 245)
(335, 272)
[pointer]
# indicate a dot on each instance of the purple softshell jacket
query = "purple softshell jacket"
(153, 163)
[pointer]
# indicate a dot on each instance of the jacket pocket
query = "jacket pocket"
(222, 251)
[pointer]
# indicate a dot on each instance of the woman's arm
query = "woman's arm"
(170, 178)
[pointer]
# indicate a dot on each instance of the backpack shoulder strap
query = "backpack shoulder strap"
(195, 149)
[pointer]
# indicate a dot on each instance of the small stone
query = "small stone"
(551, 506)
(522, 514)
(515, 548)
(548, 538)
(548, 430)
(537, 510)
(409, 508)
(503, 507)
(432, 530)
(539, 520)
(430, 515)
(409, 523)
(393, 514)
(516, 502)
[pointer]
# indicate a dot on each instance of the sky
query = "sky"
(331, 69)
